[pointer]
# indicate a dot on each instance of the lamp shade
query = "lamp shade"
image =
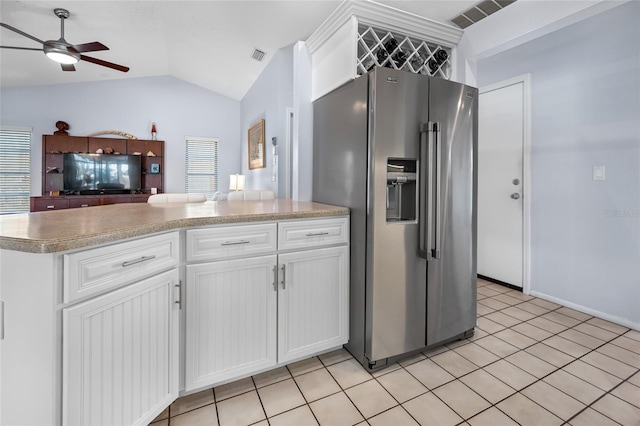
(236, 182)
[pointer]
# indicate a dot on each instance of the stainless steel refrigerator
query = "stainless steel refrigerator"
(400, 149)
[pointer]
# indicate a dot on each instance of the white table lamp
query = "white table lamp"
(236, 182)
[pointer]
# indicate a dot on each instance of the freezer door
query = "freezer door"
(451, 290)
(395, 274)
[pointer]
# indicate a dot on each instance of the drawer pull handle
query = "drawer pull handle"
(316, 234)
(84, 205)
(234, 243)
(133, 262)
(51, 207)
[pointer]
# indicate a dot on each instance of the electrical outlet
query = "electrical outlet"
(598, 173)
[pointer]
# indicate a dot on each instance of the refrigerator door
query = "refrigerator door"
(451, 290)
(395, 274)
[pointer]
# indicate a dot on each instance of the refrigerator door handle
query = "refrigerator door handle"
(426, 193)
(438, 176)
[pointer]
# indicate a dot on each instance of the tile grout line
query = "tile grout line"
(602, 396)
(523, 349)
(302, 393)
(575, 358)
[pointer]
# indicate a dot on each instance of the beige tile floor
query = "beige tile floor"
(531, 362)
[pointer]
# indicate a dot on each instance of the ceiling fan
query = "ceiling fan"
(63, 52)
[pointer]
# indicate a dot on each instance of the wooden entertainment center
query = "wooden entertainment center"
(55, 146)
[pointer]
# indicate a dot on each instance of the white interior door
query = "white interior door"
(500, 182)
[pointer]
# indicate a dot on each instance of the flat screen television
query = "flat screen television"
(101, 174)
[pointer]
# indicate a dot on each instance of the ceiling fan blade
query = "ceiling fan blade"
(104, 63)
(90, 47)
(68, 67)
(22, 33)
(20, 48)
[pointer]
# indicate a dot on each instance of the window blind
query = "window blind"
(201, 165)
(15, 170)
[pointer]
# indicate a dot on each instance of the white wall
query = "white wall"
(585, 234)
(179, 109)
(522, 21)
(268, 99)
(303, 124)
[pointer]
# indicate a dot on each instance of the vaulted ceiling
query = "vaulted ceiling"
(207, 43)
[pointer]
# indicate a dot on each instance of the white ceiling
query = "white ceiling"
(207, 43)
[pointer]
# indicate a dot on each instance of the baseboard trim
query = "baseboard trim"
(625, 322)
(502, 283)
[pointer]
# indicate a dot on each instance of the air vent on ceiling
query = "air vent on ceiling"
(480, 11)
(258, 55)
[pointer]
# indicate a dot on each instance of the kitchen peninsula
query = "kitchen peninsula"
(110, 312)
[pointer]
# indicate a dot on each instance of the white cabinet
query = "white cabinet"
(230, 319)
(303, 234)
(357, 36)
(120, 354)
(92, 335)
(313, 299)
(248, 314)
(90, 272)
(227, 242)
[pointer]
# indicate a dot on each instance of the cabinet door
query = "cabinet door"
(313, 296)
(231, 320)
(120, 354)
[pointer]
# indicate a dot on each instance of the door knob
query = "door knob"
(515, 195)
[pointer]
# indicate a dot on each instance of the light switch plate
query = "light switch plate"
(598, 173)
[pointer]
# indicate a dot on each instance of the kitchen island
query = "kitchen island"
(111, 312)
(55, 231)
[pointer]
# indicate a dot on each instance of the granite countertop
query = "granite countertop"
(55, 231)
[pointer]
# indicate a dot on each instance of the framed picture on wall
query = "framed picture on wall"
(256, 145)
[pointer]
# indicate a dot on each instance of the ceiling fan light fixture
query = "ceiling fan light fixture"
(59, 52)
(61, 58)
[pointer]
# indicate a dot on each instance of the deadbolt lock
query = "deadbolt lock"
(516, 181)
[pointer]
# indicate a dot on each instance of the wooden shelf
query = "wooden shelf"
(44, 203)
(53, 148)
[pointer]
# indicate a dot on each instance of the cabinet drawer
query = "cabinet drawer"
(83, 202)
(115, 199)
(313, 233)
(231, 241)
(50, 204)
(93, 271)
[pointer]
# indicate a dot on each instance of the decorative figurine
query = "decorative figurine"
(62, 128)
